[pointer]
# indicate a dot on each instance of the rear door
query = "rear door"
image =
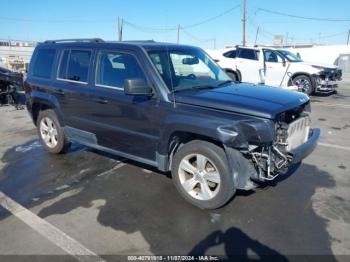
(248, 64)
(228, 60)
(72, 87)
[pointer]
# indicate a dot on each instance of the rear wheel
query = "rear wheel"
(51, 133)
(201, 175)
(305, 83)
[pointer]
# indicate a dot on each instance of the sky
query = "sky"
(39, 20)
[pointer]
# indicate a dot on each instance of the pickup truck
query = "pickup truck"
(277, 67)
(169, 106)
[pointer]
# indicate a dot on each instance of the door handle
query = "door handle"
(101, 100)
(59, 91)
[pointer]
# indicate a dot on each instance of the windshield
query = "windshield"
(290, 56)
(187, 69)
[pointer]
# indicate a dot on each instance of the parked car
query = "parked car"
(277, 67)
(170, 106)
(10, 82)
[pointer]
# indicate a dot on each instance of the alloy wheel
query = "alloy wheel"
(48, 132)
(199, 177)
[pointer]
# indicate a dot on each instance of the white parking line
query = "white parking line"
(50, 232)
(108, 172)
(335, 146)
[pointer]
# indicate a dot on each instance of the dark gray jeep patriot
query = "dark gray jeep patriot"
(169, 106)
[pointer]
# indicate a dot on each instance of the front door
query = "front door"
(275, 68)
(129, 124)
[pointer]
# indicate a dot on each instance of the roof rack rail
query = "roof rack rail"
(138, 41)
(91, 40)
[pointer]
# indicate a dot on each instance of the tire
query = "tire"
(51, 133)
(304, 82)
(193, 185)
(232, 75)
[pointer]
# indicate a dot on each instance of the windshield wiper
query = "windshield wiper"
(224, 83)
(199, 87)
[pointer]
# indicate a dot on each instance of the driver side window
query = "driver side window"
(272, 57)
(114, 68)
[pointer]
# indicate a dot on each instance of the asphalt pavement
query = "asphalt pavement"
(89, 205)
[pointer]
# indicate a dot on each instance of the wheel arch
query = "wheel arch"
(301, 73)
(43, 102)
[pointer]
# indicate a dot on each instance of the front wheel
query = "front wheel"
(305, 83)
(201, 174)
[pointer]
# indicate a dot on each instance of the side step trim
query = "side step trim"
(90, 140)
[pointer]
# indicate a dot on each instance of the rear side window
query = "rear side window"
(43, 63)
(113, 68)
(74, 65)
(230, 54)
(248, 54)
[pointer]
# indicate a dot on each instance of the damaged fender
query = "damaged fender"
(236, 139)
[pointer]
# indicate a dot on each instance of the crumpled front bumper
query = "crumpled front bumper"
(326, 86)
(328, 83)
(306, 149)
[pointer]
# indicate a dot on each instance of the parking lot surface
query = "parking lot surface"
(89, 203)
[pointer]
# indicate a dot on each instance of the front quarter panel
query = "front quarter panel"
(230, 129)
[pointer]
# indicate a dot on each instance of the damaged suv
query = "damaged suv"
(170, 106)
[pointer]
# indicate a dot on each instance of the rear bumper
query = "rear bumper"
(306, 149)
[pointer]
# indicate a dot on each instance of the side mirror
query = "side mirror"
(137, 87)
(284, 62)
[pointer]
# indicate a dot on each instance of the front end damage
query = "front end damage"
(260, 150)
(326, 81)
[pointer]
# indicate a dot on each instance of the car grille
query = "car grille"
(298, 133)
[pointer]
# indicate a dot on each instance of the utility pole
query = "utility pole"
(347, 42)
(257, 34)
(244, 20)
(120, 28)
(286, 40)
(214, 43)
(178, 34)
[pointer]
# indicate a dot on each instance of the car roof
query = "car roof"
(145, 44)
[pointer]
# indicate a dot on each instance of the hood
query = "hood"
(325, 67)
(255, 100)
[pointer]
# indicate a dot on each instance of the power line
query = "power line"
(196, 38)
(213, 18)
(149, 29)
(268, 34)
(175, 28)
(302, 17)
